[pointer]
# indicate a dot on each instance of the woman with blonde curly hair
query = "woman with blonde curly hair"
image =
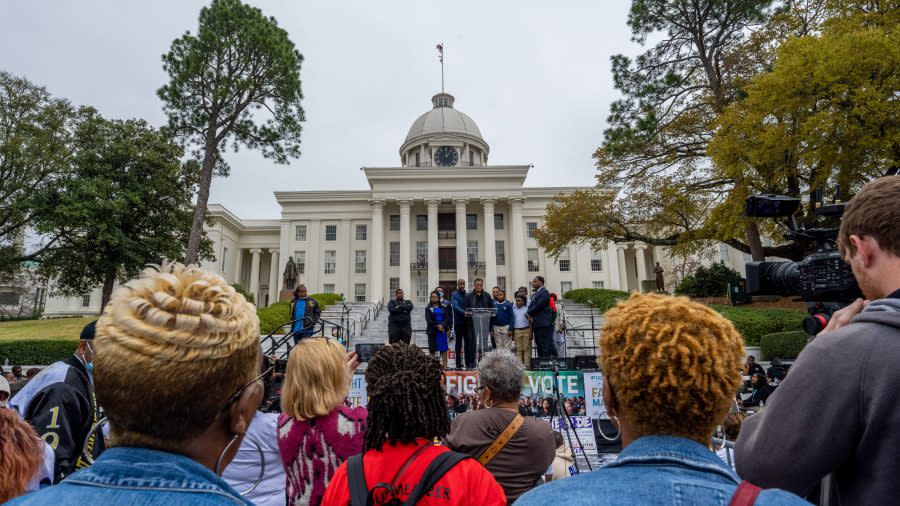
(670, 368)
(316, 431)
(177, 362)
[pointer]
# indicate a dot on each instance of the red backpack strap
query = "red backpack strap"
(745, 495)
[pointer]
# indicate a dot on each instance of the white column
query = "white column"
(623, 267)
(433, 267)
(274, 276)
(613, 267)
(516, 244)
(238, 263)
(641, 263)
(254, 274)
(462, 258)
(405, 254)
(344, 260)
(376, 266)
(284, 247)
(314, 256)
(490, 246)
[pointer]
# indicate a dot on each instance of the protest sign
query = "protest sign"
(593, 389)
(584, 428)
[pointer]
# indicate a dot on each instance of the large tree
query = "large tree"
(237, 82)
(825, 117)
(34, 147)
(126, 202)
(656, 183)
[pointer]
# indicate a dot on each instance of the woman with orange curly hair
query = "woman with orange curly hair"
(24, 458)
(670, 369)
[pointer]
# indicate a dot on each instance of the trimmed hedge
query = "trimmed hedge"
(600, 298)
(751, 323)
(36, 351)
(709, 281)
(755, 323)
(783, 344)
(276, 314)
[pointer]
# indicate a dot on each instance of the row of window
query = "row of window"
(360, 258)
(362, 233)
(300, 231)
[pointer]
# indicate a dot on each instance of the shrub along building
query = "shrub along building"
(442, 214)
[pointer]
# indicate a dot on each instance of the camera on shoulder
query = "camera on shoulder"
(822, 279)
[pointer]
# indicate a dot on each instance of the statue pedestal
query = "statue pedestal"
(285, 295)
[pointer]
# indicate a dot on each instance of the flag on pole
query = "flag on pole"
(440, 48)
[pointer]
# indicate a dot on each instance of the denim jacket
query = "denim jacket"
(138, 477)
(655, 470)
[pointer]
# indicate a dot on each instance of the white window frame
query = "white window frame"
(359, 292)
(530, 227)
(330, 264)
(394, 259)
(500, 250)
(360, 261)
(300, 233)
(332, 231)
(362, 232)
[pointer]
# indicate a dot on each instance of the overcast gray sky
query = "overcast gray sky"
(535, 78)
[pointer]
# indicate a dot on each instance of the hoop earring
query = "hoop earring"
(87, 439)
(222, 455)
(262, 469)
(491, 405)
(615, 424)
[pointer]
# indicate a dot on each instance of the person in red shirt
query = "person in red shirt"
(407, 412)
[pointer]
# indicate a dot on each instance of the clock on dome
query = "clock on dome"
(446, 156)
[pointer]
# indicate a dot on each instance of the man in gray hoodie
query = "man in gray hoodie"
(838, 410)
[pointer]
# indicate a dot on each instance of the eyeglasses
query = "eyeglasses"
(237, 394)
(479, 388)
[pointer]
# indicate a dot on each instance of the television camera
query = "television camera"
(822, 279)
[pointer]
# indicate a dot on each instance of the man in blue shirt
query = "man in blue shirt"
(460, 327)
(502, 320)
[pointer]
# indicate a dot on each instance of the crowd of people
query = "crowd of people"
(174, 365)
(514, 325)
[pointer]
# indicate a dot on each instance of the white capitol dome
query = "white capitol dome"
(444, 123)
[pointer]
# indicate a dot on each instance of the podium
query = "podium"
(481, 324)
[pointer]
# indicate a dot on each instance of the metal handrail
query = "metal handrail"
(317, 326)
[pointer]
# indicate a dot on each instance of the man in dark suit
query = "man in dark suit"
(541, 317)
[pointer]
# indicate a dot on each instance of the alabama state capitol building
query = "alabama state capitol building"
(443, 213)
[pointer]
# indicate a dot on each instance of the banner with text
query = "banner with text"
(584, 429)
(593, 389)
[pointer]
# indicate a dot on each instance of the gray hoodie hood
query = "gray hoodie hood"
(883, 311)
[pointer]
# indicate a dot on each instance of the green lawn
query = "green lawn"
(54, 328)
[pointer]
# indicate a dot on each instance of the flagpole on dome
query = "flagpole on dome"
(440, 48)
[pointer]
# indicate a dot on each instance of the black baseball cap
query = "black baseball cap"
(89, 330)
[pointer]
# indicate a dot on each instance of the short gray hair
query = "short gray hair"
(503, 373)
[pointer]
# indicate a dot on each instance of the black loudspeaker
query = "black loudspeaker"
(547, 363)
(604, 445)
(586, 362)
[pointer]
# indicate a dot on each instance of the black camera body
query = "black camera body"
(822, 279)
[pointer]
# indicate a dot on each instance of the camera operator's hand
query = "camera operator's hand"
(843, 316)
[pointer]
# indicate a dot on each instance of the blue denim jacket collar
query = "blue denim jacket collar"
(145, 469)
(674, 450)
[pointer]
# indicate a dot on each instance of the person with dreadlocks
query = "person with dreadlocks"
(407, 411)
